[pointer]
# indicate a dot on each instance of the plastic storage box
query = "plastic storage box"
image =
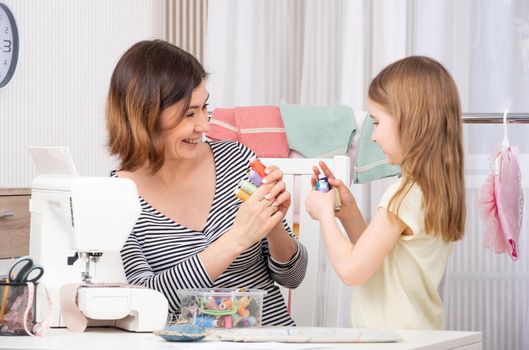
(222, 308)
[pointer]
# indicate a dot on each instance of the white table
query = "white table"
(110, 338)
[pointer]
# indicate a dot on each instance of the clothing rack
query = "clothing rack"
(486, 118)
(495, 118)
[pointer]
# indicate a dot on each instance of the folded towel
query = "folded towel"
(318, 131)
(222, 125)
(261, 129)
(371, 163)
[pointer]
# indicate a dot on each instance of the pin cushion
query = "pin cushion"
(182, 332)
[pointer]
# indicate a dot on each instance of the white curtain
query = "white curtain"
(319, 52)
(253, 50)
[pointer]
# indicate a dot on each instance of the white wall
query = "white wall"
(68, 50)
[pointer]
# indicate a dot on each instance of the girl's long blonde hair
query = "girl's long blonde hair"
(423, 98)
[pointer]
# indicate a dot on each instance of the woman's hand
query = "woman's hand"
(256, 217)
(348, 201)
(282, 196)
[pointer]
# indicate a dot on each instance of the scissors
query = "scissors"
(25, 270)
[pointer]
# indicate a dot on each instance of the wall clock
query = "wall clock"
(8, 45)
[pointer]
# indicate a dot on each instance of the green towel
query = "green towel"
(371, 163)
(318, 131)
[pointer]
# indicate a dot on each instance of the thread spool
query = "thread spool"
(255, 178)
(247, 186)
(243, 307)
(241, 194)
(207, 322)
(337, 200)
(323, 184)
(228, 322)
(246, 322)
(212, 304)
(225, 304)
(258, 167)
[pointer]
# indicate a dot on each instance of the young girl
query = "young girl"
(398, 260)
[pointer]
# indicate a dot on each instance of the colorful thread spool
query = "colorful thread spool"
(258, 167)
(227, 322)
(225, 304)
(323, 185)
(246, 322)
(207, 322)
(241, 194)
(247, 186)
(212, 304)
(243, 307)
(255, 178)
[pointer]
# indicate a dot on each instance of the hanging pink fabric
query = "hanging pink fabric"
(501, 201)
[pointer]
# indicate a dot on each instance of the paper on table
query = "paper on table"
(307, 335)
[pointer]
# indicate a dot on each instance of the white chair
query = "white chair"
(317, 301)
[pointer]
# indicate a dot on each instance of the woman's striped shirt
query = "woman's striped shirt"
(163, 255)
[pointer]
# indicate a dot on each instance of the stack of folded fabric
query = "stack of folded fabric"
(258, 127)
(318, 131)
(312, 131)
(222, 125)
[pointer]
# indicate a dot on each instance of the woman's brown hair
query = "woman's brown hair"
(422, 96)
(150, 76)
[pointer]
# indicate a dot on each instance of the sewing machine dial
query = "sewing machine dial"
(8, 45)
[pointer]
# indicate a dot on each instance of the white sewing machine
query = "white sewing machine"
(78, 226)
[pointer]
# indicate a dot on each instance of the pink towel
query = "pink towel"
(222, 125)
(261, 129)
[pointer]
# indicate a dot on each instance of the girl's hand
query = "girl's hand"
(282, 196)
(255, 218)
(348, 201)
(319, 204)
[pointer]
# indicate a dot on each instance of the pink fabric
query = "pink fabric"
(222, 125)
(261, 129)
(73, 317)
(258, 127)
(501, 202)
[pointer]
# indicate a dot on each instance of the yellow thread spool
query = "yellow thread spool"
(241, 194)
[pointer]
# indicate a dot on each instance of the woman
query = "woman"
(192, 231)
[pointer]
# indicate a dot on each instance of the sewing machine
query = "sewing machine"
(78, 226)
